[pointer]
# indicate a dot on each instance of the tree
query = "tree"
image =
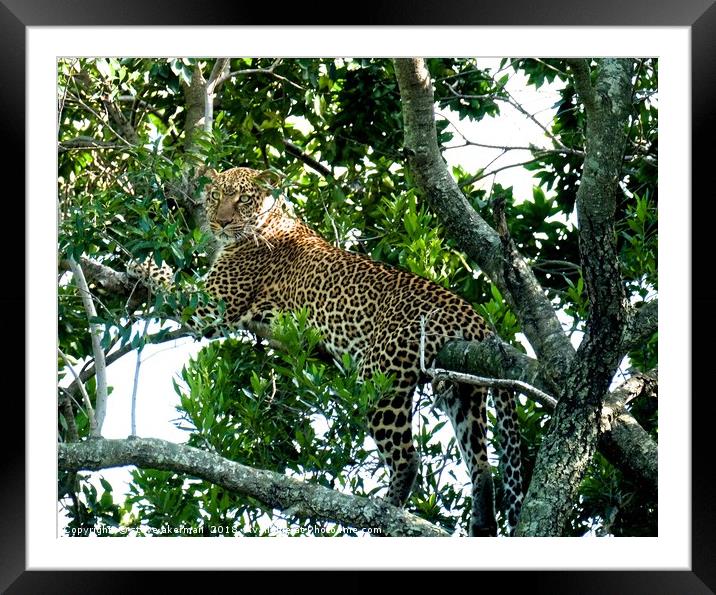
(361, 152)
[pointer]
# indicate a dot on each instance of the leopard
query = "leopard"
(386, 319)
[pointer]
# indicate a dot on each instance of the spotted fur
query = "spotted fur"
(271, 262)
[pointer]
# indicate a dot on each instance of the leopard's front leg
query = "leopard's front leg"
(233, 301)
(160, 280)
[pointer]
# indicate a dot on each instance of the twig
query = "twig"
(95, 334)
(505, 149)
(518, 385)
(518, 106)
(561, 73)
(294, 150)
(100, 119)
(486, 174)
(87, 143)
(268, 71)
(558, 264)
(514, 103)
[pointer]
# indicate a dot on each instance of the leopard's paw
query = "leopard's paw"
(150, 274)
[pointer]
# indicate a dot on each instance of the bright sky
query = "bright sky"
(156, 399)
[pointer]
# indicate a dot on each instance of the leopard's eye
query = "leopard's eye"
(244, 198)
(215, 194)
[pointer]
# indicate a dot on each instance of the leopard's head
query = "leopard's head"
(239, 201)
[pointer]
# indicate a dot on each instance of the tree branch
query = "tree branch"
(69, 414)
(267, 71)
(220, 66)
(95, 334)
(437, 374)
(112, 281)
(582, 81)
(292, 149)
(640, 325)
(195, 105)
(287, 494)
(87, 143)
(620, 437)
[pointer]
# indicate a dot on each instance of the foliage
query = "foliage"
(125, 155)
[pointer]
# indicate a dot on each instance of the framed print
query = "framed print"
(153, 131)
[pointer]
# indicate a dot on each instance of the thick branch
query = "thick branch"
(621, 438)
(195, 105)
(582, 81)
(641, 324)
(510, 272)
(494, 358)
(100, 274)
(287, 494)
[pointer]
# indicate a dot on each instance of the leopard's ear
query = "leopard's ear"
(269, 179)
(207, 172)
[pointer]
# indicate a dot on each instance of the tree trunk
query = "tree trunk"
(569, 445)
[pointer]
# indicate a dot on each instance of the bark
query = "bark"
(195, 94)
(641, 324)
(569, 445)
(493, 357)
(621, 439)
(199, 103)
(287, 494)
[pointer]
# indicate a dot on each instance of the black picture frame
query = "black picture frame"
(699, 15)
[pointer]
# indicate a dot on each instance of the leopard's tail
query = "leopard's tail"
(511, 463)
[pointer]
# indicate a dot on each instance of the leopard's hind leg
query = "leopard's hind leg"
(390, 424)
